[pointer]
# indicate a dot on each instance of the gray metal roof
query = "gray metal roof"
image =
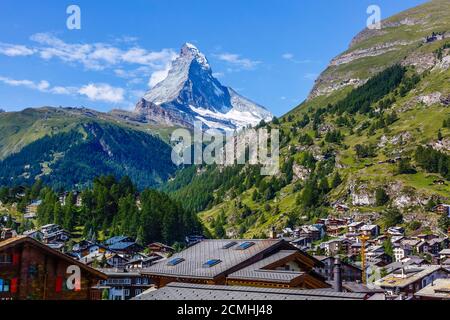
(256, 272)
(439, 289)
(185, 291)
(195, 256)
(411, 275)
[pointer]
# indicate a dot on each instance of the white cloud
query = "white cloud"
(98, 56)
(237, 60)
(141, 56)
(42, 86)
(102, 92)
(291, 57)
(95, 92)
(288, 56)
(13, 50)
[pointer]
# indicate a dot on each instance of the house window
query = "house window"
(137, 292)
(175, 261)
(229, 245)
(211, 263)
(245, 245)
(4, 285)
(5, 258)
(126, 292)
(145, 281)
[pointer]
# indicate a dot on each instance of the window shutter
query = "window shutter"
(59, 284)
(14, 284)
(16, 259)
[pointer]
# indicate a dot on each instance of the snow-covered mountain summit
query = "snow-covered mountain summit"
(190, 93)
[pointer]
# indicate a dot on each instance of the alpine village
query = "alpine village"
(360, 209)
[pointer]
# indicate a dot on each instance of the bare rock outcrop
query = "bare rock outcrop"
(300, 172)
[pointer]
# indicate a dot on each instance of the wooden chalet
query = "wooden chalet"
(269, 263)
(30, 270)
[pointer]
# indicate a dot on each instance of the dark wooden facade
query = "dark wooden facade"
(31, 270)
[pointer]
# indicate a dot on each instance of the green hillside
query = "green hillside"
(68, 148)
(373, 135)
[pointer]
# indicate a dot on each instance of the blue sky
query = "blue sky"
(269, 51)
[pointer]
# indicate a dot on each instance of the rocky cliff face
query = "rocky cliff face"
(191, 93)
(401, 39)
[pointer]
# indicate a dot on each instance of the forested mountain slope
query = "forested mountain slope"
(68, 148)
(374, 135)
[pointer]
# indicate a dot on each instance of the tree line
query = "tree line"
(114, 207)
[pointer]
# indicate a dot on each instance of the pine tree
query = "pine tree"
(381, 197)
(337, 180)
(57, 214)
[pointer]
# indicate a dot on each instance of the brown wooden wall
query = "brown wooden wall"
(38, 271)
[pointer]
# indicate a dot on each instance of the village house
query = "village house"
(402, 250)
(355, 249)
(371, 230)
(440, 182)
(311, 232)
(85, 248)
(32, 270)
(380, 240)
(397, 239)
(335, 231)
(427, 237)
(341, 208)
(376, 255)
(436, 245)
(302, 243)
(123, 284)
(77, 198)
(126, 248)
(54, 233)
(414, 260)
(444, 254)
(35, 234)
(284, 269)
(422, 247)
(333, 247)
(349, 272)
(406, 281)
(442, 209)
(118, 239)
(160, 248)
(394, 266)
(6, 233)
(270, 263)
(355, 227)
(396, 231)
(123, 245)
(334, 222)
(194, 239)
(438, 290)
(141, 263)
(31, 209)
(105, 260)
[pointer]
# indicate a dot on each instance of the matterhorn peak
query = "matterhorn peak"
(190, 51)
(191, 93)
